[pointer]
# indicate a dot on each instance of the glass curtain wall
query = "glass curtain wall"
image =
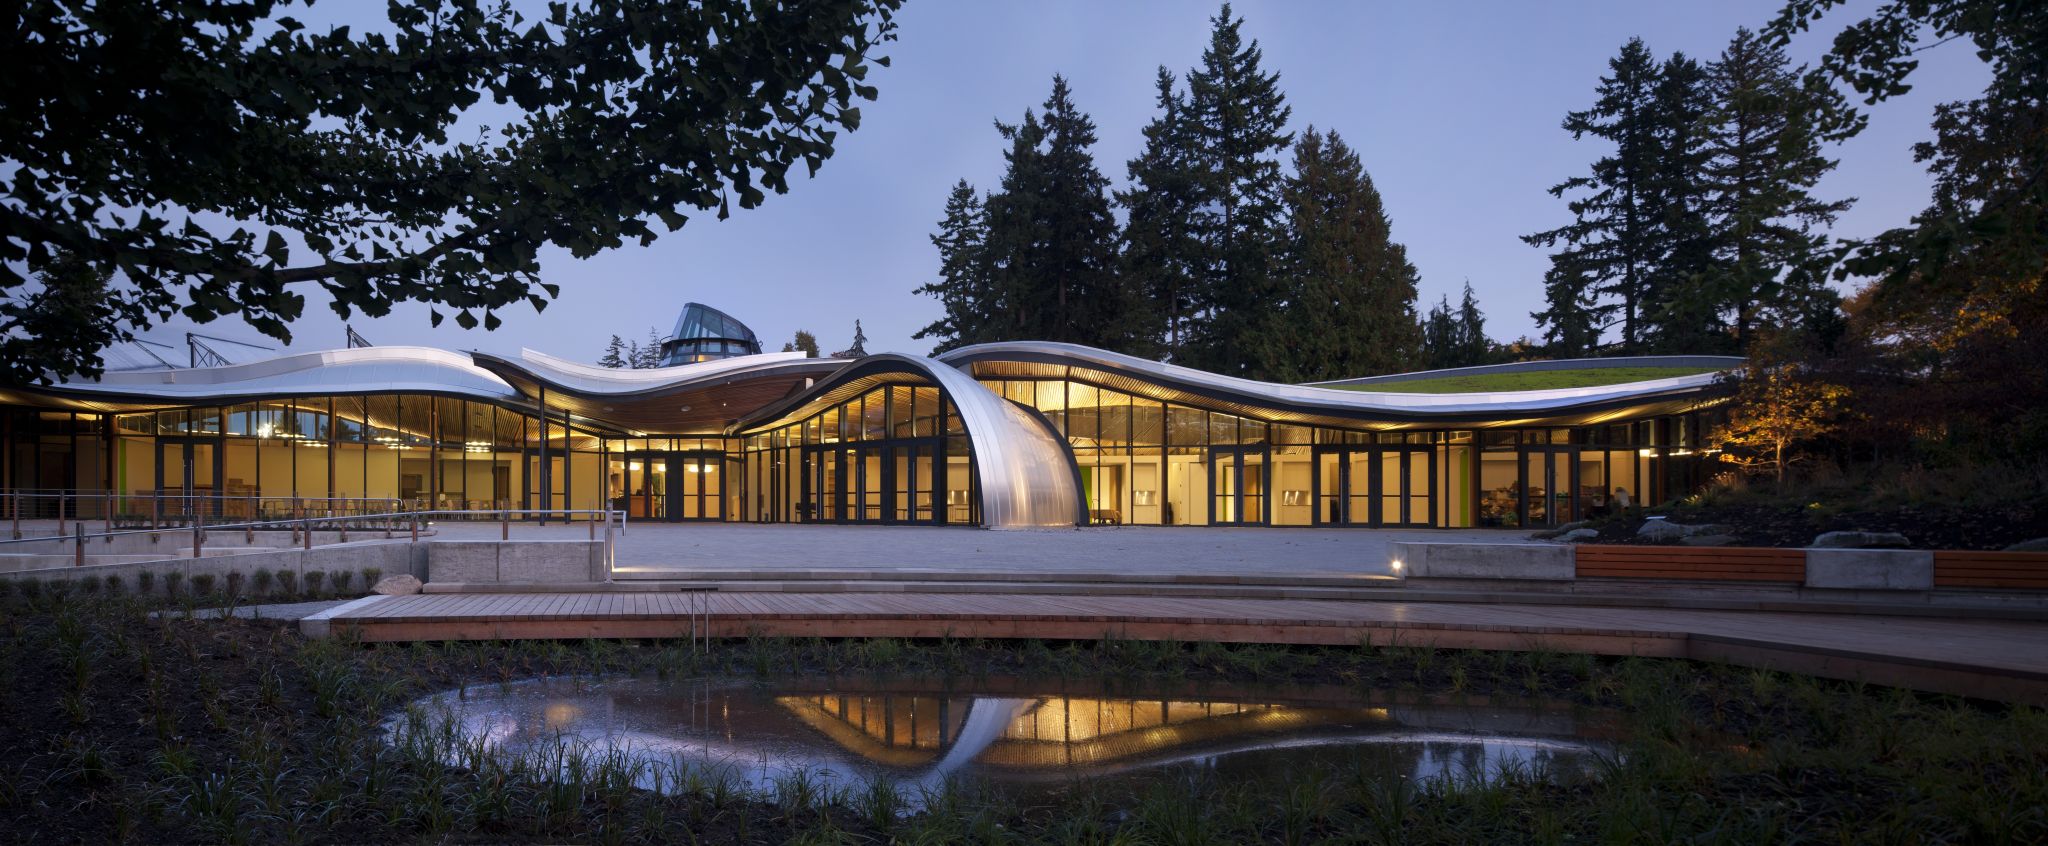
(896, 454)
(305, 456)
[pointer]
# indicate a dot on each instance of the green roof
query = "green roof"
(1528, 380)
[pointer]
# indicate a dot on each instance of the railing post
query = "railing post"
(14, 503)
(78, 547)
(342, 526)
(415, 527)
(107, 516)
(504, 526)
(60, 513)
(308, 536)
(198, 539)
(156, 511)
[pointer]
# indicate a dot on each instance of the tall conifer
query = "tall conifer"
(1161, 253)
(1238, 117)
(1764, 156)
(1349, 288)
(963, 288)
(1600, 273)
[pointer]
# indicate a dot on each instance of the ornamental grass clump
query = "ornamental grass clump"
(145, 582)
(202, 585)
(173, 580)
(342, 579)
(264, 581)
(315, 579)
(287, 583)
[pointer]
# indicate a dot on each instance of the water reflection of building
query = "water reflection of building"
(1054, 732)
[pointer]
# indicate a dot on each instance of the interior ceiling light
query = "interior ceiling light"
(685, 408)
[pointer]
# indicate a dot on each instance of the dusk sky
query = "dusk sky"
(1454, 108)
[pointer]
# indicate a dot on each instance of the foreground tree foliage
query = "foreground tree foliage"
(1949, 343)
(1350, 287)
(208, 158)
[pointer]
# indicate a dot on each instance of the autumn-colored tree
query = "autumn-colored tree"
(1778, 406)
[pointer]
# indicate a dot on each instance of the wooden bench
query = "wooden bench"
(2005, 570)
(1729, 564)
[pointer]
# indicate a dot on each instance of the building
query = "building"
(999, 435)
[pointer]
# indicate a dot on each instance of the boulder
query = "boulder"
(1578, 535)
(1660, 530)
(1575, 524)
(397, 585)
(1710, 540)
(1709, 529)
(2035, 545)
(1860, 540)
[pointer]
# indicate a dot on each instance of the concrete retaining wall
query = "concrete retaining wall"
(1870, 569)
(387, 557)
(520, 562)
(1510, 561)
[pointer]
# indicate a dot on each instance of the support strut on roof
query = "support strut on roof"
(203, 355)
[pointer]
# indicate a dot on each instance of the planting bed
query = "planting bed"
(124, 728)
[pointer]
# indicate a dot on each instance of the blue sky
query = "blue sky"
(1454, 107)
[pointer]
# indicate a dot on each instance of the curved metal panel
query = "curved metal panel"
(1304, 403)
(347, 371)
(591, 380)
(1024, 470)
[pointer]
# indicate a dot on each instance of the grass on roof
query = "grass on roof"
(1535, 380)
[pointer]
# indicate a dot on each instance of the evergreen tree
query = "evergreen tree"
(1237, 115)
(860, 342)
(805, 343)
(1601, 273)
(1161, 256)
(633, 355)
(964, 289)
(1350, 296)
(1471, 346)
(614, 354)
(1456, 338)
(1676, 317)
(1764, 157)
(648, 355)
(1050, 242)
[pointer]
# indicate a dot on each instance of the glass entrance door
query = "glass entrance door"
(1388, 486)
(1549, 479)
(697, 486)
(187, 475)
(1237, 486)
(895, 481)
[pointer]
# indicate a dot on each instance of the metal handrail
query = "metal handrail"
(199, 528)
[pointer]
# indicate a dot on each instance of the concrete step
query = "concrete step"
(1954, 607)
(927, 574)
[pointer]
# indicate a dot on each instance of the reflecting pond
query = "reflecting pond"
(1015, 734)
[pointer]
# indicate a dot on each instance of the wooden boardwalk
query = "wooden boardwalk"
(1993, 659)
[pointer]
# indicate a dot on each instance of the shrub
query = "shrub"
(202, 584)
(6, 587)
(371, 575)
(31, 588)
(89, 586)
(287, 583)
(113, 583)
(145, 581)
(235, 578)
(172, 581)
(314, 579)
(60, 588)
(263, 581)
(342, 578)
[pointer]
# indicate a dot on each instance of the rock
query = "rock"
(2035, 545)
(1575, 524)
(1660, 530)
(1578, 535)
(1860, 540)
(1709, 540)
(1708, 529)
(1546, 534)
(398, 585)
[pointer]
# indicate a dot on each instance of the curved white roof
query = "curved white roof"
(1506, 403)
(592, 380)
(345, 371)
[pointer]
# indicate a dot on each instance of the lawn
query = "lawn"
(1538, 380)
